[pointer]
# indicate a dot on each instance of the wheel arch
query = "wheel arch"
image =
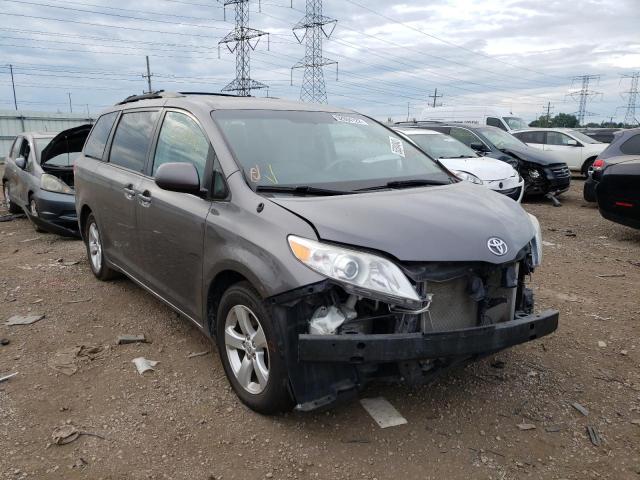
(586, 163)
(85, 211)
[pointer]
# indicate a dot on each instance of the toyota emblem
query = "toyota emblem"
(497, 246)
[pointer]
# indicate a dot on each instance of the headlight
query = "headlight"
(536, 243)
(467, 177)
(358, 272)
(54, 184)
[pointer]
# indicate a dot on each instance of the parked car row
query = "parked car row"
(319, 248)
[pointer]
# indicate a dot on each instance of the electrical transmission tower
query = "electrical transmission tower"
(435, 97)
(316, 26)
(630, 118)
(241, 41)
(583, 94)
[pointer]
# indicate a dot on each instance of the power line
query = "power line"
(315, 26)
(239, 41)
(583, 94)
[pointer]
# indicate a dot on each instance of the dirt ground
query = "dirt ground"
(182, 421)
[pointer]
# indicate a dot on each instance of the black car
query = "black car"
(618, 192)
(542, 174)
(604, 135)
(625, 143)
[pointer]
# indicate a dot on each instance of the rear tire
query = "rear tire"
(13, 208)
(249, 350)
(95, 251)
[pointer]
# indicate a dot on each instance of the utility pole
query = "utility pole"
(239, 41)
(435, 96)
(547, 117)
(316, 26)
(13, 85)
(148, 77)
(630, 118)
(583, 94)
(70, 107)
(408, 110)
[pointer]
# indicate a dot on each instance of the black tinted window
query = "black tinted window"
(181, 140)
(465, 136)
(99, 135)
(495, 122)
(631, 146)
(531, 137)
(131, 140)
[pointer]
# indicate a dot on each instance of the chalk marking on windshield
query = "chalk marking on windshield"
(352, 120)
(272, 178)
(396, 146)
(254, 173)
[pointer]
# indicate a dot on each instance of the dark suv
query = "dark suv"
(318, 247)
(542, 174)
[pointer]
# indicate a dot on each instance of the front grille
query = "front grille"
(452, 307)
(561, 171)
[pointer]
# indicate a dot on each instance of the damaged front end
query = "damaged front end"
(338, 338)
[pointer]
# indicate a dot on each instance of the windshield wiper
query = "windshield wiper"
(299, 190)
(404, 184)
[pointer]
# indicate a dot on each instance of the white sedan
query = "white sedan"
(574, 148)
(466, 163)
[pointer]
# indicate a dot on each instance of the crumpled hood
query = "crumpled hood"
(439, 223)
(484, 168)
(533, 155)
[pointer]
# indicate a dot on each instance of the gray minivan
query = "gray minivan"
(315, 245)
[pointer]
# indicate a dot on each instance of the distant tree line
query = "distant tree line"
(570, 121)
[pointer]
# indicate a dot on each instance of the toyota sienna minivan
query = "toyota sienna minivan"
(317, 247)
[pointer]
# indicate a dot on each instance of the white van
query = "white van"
(475, 115)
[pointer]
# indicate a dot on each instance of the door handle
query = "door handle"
(144, 198)
(129, 192)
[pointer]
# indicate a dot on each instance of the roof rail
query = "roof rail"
(209, 93)
(149, 96)
(418, 122)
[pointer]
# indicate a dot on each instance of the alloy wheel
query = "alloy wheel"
(246, 348)
(95, 247)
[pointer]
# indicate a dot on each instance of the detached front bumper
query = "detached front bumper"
(387, 348)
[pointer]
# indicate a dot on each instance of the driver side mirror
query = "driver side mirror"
(21, 163)
(572, 143)
(178, 177)
(479, 147)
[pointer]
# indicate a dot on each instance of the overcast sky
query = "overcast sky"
(519, 54)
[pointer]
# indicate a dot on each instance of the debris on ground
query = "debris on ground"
(82, 300)
(594, 436)
(4, 341)
(553, 428)
(69, 433)
(526, 426)
(199, 354)
(64, 361)
(384, 414)
(24, 319)
(583, 410)
(635, 422)
(10, 217)
(7, 377)
(125, 339)
(499, 364)
(142, 364)
(602, 344)
(612, 275)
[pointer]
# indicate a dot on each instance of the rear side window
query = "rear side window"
(181, 140)
(99, 135)
(14, 150)
(131, 140)
(631, 146)
(557, 138)
(465, 136)
(495, 122)
(531, 137)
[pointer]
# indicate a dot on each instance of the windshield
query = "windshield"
(583, 138)
(324, 150)
(441, 146)
(62, 160)
(515, 123)
(501, 139)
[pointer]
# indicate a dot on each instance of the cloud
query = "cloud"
(516, 53)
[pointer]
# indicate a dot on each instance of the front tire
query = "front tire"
(248, 347)
(33, 214)
(13, 208)
(95, 252)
